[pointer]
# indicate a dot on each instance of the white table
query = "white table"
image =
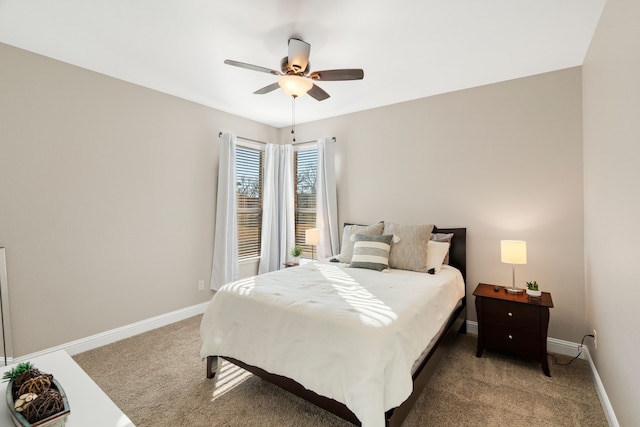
(89, 405)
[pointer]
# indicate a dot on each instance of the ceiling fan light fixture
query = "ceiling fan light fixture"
(295, 86)
(295, 77)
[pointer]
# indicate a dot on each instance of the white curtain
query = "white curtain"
(225, 243)
(326, 200)
(278, 222)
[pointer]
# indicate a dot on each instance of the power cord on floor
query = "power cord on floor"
(555, 359)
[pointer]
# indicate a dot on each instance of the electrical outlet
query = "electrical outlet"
(201, 285)
(595, 339)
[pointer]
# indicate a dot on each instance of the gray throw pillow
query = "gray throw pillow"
(410, 244)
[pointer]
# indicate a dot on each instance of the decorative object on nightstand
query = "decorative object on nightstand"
(532, 289)
(295, 253)
(513, 323)
(513, 252)
(312, 237)
(35, 398)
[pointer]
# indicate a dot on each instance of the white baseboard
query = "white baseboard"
(472, 327)
(602, 393)
(568, 348)
(120, 333)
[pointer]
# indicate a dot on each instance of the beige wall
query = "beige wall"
(503, 160)
(611, 88)
(107, 199)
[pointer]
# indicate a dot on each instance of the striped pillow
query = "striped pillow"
(350, 230)
(371, 252)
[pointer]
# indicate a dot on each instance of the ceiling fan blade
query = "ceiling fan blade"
(317, 93)
(333, 75)
(298, 54)
(252, 67)
(267, 89)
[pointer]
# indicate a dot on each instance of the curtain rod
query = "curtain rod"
(261, 142)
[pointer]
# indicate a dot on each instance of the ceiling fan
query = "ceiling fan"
(296, 80)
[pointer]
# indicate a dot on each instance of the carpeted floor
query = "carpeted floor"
(158, 380)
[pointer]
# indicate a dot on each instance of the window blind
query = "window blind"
(249, 164)
(305, 164)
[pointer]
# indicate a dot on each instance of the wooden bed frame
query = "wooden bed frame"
(394, 417)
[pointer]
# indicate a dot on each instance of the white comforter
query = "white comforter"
(345, 333)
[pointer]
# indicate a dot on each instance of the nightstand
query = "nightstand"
(513, 323)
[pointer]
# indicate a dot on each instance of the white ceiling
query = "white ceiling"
(408, 49)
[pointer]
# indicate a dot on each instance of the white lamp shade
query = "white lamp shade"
(295, 85)
(513, 251)
(312, 236)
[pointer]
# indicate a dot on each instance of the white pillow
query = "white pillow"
(435, 254)
(443, 237)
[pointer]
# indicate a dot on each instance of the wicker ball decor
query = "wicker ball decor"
(26, 376)
(35, 385)
(36, 398)
(49, 402)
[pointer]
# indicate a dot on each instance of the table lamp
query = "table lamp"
(513, 252)
(312, 237)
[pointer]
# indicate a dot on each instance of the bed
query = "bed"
(291, 325)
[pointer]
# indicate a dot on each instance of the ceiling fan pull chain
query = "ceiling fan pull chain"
(293, 117)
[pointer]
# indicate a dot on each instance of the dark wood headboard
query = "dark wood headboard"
(458, 250)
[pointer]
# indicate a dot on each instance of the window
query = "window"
(249, 182)
(249, 163)
(305, 168)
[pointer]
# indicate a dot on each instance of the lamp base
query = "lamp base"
(514, 290)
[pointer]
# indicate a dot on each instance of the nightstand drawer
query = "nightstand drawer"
(511, 313)
(514, 340)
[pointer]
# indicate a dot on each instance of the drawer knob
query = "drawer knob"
(510, 337)
(510, 314)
